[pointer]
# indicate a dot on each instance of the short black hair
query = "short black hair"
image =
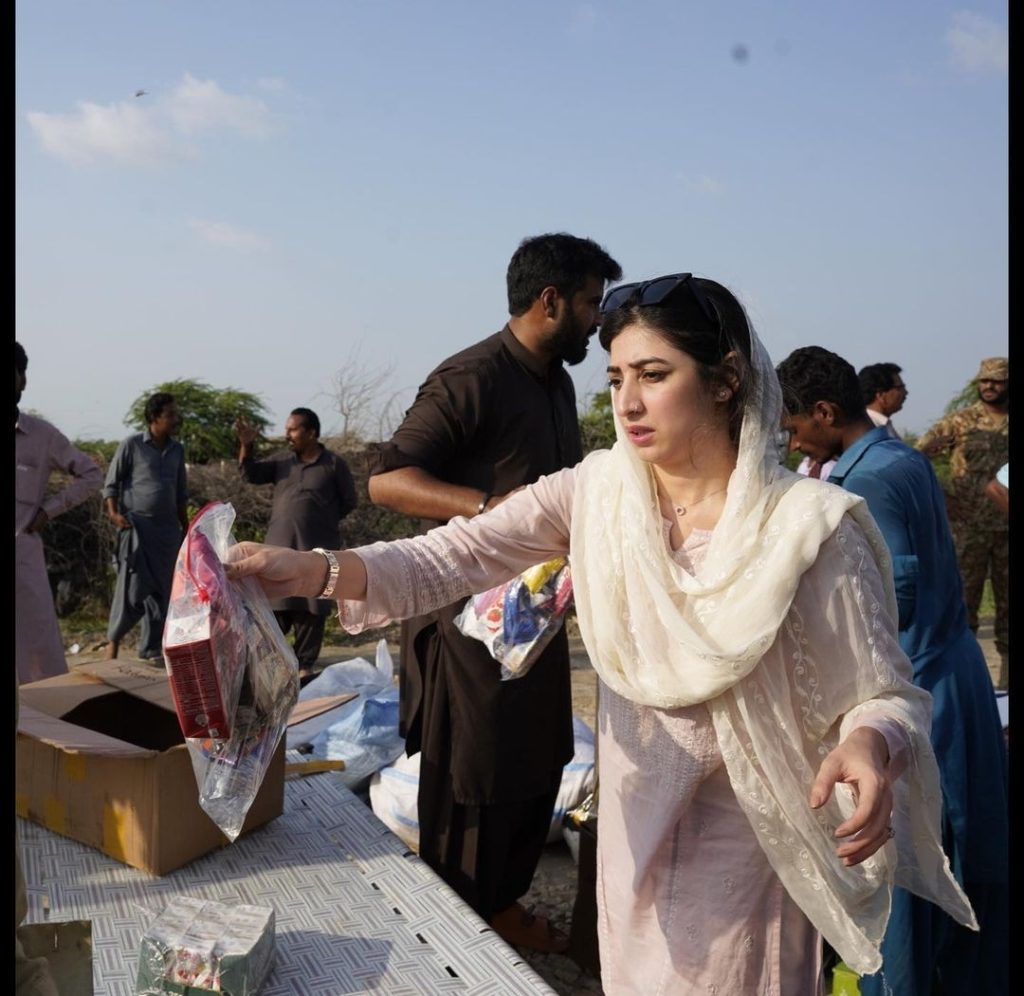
(309, 419)
(875, 378)
(812, 374)
(20, 358)
(155, 405)
(555, 260)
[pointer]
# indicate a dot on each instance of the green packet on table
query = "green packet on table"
(198, 946)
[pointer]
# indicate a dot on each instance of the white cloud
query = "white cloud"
(702, 184)
(198, 105)
(220, 233)
(122, 132)
(151, 129)
(977, 43)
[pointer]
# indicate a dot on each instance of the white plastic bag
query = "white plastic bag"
(362, 732)
(395, 788)
(578, 777)
(394, 792)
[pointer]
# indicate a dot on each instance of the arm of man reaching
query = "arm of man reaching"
(416, 492)
(253, 471)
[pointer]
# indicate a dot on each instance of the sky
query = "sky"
(283, 196)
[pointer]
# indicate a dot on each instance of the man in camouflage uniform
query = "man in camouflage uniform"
(977, 439)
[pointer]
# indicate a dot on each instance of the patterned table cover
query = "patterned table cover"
(356, 910)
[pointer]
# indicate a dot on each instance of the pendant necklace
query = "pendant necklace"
(682, 509)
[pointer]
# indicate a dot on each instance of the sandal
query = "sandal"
(522, 928)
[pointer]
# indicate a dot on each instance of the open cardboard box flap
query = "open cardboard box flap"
(43, 703)
(74, 739)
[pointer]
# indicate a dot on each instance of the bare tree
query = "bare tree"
(389, 415)
(365, 398)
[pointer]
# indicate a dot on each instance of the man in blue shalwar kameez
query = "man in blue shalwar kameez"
(145, 495)
(924, 951)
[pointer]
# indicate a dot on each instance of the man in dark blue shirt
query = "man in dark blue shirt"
(826, 419)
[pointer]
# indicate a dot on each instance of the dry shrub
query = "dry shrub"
(80, 544)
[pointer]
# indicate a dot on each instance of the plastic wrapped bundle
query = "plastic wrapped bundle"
(517, 619)
(198, 945)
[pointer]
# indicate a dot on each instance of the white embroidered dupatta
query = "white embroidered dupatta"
(662, 637)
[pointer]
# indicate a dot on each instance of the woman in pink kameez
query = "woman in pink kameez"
(766, 774)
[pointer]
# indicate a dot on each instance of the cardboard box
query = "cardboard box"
(101, 759)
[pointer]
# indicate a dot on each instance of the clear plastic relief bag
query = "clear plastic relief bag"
(233, 676)
(517, 619)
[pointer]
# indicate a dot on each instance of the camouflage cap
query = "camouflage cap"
(994, 368)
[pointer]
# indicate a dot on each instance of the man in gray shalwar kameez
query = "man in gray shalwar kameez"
(146, 497)
(313, 491)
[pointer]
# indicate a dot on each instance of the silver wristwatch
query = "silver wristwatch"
(332, 572)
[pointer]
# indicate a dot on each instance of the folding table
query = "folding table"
(356, 911)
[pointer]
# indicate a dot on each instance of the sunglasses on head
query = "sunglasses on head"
(647, 293)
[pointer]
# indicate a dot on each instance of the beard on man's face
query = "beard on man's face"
(994, 395)
(569, 342)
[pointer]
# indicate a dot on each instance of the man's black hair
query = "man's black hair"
(155, 405)
(812, 374)
(875, 378)
(309, 419)
(20, 358)
(555, 260)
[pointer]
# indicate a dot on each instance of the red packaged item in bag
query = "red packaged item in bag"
(202, 644)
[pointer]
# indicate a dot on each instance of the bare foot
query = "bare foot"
(111, 653)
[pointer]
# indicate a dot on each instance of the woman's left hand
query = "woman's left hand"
(862, 762)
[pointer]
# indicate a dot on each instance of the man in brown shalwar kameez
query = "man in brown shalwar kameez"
(486, 422)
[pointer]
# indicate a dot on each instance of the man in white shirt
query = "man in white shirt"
(815, 468)
(884, 393)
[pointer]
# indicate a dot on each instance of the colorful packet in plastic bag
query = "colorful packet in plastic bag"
(233, 676)
(517, 619)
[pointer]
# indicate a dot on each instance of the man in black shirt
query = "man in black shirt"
(486, 422)
(313, 491)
